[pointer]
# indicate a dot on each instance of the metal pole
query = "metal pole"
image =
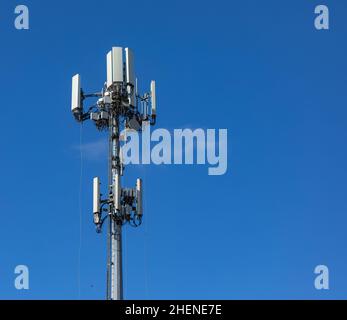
(118, 280)
(115, 255)
(109, 231)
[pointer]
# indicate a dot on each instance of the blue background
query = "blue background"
(259, 69)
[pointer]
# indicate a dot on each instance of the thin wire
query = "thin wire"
(80, 215)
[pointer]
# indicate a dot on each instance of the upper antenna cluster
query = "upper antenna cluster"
(120, 91)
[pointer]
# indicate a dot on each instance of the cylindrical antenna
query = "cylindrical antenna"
(76, 93)
(153, 98)
(139, 192)
(96, 195)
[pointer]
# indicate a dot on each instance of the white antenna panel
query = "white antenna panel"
(109, 69)
(130, 74)
(117, 64)
(96, 195)
(76, 93)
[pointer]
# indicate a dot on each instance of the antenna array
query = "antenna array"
(118, 104)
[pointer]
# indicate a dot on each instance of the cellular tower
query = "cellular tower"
(119, 106)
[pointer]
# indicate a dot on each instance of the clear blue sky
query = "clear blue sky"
(259, 69)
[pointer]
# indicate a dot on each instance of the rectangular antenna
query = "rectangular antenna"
(130, 74)
(109, 69)
(117, 64)
(96, 195)
(153, 98)
(76, 93)
(139, 192)
(129, 67)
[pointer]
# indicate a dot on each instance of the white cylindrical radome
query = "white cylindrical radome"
(96, 195)
(76, 93)
(139, 191)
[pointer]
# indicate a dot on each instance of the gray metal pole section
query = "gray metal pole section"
(117, 274)
(115, 286)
